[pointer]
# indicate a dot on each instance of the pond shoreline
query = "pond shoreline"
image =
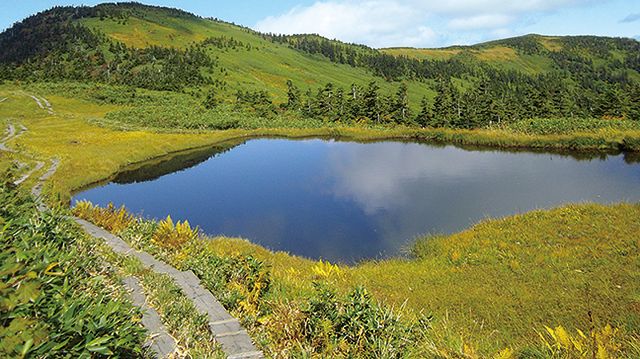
(366, 198)
(476, 139)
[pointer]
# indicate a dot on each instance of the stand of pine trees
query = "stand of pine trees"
(482, 105)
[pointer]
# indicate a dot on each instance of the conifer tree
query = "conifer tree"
(324, 100)
(425, 117)
(443, 107)
(371, 102)
(634, 103)
(293, 96)
(401, 111)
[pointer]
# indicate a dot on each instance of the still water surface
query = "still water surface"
(345, 201)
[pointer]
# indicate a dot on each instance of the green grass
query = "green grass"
(513, 276)
(566, 126)
(423, 54)
(477, 292)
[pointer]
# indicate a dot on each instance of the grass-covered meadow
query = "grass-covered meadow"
(96, 130)
(559, 283)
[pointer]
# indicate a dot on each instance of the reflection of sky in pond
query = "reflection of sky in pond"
(347, 201)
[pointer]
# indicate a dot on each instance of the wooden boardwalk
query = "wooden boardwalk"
(234, 340)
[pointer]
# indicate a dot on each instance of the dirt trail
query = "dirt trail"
(39, 165)
(11, 134)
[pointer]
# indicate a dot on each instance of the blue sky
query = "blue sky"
(384, 23)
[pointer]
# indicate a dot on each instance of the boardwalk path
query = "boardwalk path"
(227, 330)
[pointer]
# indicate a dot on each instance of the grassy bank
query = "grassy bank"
(491, 290)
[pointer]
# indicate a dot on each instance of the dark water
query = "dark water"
(345, 201)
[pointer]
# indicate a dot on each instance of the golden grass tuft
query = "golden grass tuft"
(110, 218)
(601, 344)
(173, 236)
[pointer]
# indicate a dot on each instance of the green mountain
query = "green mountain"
(167, 49)
(69, 42)
(537, 54)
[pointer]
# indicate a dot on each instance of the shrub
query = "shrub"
(422, 247)
(355, 325)
(239, 282)
(558, 126)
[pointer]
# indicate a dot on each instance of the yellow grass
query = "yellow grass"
(497, 53)
(421, 54)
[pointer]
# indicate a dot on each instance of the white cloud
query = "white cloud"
(384, 23)
(377, 176)
(377, 23)
(466, 7)
(492, 21)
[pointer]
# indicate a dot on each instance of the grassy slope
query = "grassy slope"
(502, 57)
(266, 66)
(496, 53)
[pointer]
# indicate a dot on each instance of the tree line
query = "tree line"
(479, 106)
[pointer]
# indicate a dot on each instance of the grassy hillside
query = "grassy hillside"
(532, 54)
(253, 63)
(502, 57)
(167, 49)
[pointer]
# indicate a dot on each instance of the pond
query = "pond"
(346, 201)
